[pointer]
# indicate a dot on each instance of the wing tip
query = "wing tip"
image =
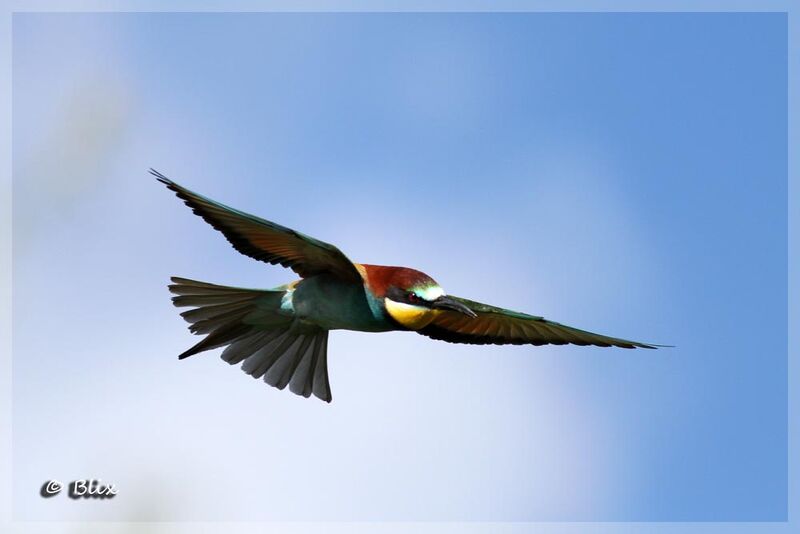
(163, 179)
(655, 346)
(640, 345)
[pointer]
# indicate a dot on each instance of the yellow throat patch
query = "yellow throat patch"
(410, 316)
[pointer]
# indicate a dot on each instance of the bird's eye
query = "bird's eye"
(412, 297)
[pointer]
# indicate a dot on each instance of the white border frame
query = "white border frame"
(6, 14)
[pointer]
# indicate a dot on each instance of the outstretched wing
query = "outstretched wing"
(266, 241)
(503, 327)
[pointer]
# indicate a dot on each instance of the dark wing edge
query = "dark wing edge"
(498, 326)
(267, 241)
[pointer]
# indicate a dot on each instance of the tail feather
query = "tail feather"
(216, 339)
(284, 368)
(185, 286)
(303, 377)
(215, 311)
(258, 335)
(260, 362)
(246, 346)
(211, 324)
(209, 299)
(321, 386)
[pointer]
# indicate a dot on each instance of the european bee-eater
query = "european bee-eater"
(282, 333)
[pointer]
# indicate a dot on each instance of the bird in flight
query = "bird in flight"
(281, 334)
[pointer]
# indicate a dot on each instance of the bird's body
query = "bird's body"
(327, 302)
(282, 333)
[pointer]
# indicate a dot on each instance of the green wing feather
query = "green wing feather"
(266, 241)
(506, 327)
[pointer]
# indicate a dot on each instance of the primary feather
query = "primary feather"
(499, 326)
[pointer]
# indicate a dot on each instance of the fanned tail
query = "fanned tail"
(269, 344)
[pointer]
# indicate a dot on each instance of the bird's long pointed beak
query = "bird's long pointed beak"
(447, 303)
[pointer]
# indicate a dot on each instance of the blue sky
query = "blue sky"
(623, 173)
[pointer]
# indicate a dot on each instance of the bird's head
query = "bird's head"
(410, 297)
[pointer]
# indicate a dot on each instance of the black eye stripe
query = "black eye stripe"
(408, 297)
